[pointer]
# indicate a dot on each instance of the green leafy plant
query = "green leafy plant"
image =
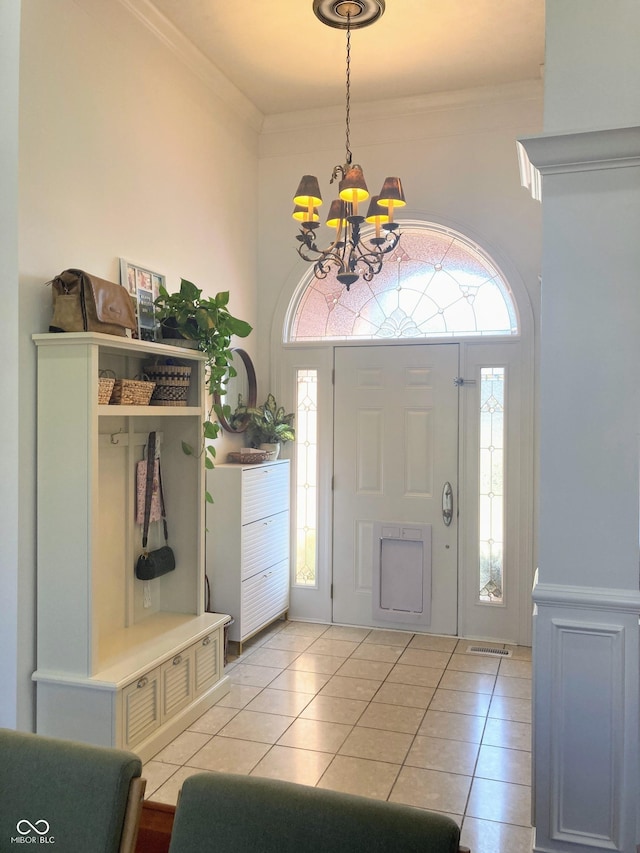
(207, 322)
(268, 423)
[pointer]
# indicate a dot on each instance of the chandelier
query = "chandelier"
(352, 254)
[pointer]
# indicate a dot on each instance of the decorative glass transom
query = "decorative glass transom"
(437, 283)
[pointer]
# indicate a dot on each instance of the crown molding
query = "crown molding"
(531, 90)
(587, 151)
(162, 28)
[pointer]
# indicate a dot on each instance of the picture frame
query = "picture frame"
(143, 285)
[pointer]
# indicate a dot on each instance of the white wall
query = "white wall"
(586, 87)
(455, 153)
(9, 381)
(124, 152)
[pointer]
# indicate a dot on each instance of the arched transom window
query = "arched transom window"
(437, 283)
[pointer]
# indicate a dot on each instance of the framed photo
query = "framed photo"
(144, 288)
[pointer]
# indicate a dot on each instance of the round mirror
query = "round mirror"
(241, 386)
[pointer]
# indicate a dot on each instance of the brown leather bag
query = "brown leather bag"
(86, 303)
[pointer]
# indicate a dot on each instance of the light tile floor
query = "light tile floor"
(409, 718)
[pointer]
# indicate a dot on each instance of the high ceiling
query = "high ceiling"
(282, 58)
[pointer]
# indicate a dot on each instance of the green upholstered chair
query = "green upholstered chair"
(80, 798)
(248, 814)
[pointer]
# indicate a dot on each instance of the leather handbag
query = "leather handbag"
(86, 303)
(153, 564)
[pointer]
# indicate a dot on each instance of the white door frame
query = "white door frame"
(473, 620)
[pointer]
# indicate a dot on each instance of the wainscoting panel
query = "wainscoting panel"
(585, 692)
(587, 724)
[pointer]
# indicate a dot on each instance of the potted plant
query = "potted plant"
(269, 425)
(207, 322)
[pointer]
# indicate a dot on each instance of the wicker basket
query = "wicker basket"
(131, 392)
(172, 383)
(247, 456)
(105, 387)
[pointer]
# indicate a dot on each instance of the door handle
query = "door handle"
(447, 504)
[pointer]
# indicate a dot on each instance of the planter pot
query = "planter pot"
(272, 449)
(171, 333)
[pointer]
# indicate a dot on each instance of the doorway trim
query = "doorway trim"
(314, 604)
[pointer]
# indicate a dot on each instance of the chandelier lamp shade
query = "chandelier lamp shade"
(349, 252)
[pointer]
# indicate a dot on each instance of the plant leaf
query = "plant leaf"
(210, 429)
(239, 327)
(189, 291)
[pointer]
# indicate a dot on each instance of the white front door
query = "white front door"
(395, 449)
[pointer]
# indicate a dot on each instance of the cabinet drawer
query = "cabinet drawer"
(264, 543)
(206, 662)
(265, 491)
(177, 682)
(264, 596)
(141, 708)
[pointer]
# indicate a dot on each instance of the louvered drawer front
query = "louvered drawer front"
(206, 668)
(264, 543)
(141, 705)
(265, 491)
(177, 682)
(264, 596)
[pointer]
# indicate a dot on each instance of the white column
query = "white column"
(587, 599)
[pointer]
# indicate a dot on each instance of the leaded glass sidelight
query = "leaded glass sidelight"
(436, 284)
(491, 512)
(306, 477)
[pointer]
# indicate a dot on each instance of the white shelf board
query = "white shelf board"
(115, 343)
(131, 652)
(139, 411)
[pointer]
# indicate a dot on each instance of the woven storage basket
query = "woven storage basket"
(172, 384)
(105, 387)
(247, 456)
(131, 392)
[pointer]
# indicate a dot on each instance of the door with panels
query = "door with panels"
(395, 487)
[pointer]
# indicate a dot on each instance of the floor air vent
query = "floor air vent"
(488, 650)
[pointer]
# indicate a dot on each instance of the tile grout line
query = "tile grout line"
(263, 644)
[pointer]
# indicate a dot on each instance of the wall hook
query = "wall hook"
(114, 436)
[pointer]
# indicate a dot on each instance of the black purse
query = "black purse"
(153, 564)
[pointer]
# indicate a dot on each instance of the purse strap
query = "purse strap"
(151, 460)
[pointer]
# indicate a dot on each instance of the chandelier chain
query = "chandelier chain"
(351, 253)
(349, 155)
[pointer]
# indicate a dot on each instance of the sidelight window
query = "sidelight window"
(306, 509)
(491, 514)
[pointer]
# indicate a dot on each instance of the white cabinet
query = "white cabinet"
(121, 662)
(248, 544)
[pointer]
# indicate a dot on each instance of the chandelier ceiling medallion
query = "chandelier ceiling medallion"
(351, 253)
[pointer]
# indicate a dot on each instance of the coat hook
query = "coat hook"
(114, 436)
